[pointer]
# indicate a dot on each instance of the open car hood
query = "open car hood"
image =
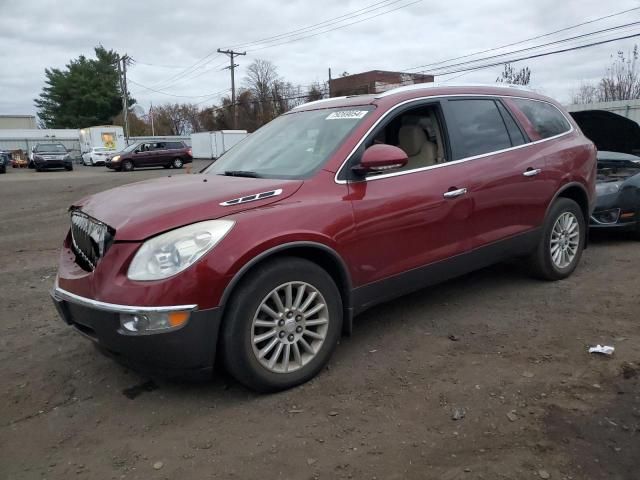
(140, 210)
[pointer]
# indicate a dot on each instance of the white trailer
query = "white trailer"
(106, 136)
(213, 144)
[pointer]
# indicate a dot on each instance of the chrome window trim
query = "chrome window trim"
(61, 294)
(453, 162)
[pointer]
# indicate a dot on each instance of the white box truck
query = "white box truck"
(106, 136)
(211, 145)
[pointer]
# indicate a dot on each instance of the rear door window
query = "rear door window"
(479, 125)
(546, 119)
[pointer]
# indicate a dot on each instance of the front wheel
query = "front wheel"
(282, 325)
(562, 242)
(127, 166)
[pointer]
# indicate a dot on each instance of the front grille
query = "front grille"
(90, 239)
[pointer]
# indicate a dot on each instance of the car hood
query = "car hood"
(140, 210)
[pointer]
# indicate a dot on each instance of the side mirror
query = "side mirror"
(381, 157)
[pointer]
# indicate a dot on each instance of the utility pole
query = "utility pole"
(122, 75)
(232, 67)
(329, 82)
(153, 130)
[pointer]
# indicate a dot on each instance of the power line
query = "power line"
(198, 64)
(316, 26)
(172, 95)
(544, 54)
(172, 80)
(534, 47)
(526, 40)
(335, 28)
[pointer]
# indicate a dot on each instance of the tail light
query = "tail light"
(190, 153)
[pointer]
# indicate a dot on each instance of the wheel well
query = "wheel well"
(330, 262)
(579, 196)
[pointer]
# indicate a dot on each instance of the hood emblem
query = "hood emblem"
(252, 198)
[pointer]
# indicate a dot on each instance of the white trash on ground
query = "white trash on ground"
(603, 349)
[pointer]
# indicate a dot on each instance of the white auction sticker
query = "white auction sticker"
(346, 114)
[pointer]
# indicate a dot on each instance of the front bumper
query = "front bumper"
(183, 350)
(44, 164)
(112, 165)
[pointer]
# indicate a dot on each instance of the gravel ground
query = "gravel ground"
(484, 377)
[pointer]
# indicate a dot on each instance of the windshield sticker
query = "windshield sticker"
(347, 115)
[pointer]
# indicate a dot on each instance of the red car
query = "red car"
(263, 260)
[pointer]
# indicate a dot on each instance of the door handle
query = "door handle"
(455, 193)
(532, 172)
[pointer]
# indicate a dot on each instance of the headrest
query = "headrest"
(411, 138)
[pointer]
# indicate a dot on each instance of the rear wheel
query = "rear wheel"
(177, 163)
(68, 168)
(127, 166)
(282, 325)
(562, 242)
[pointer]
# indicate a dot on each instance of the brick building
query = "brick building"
(374, 81)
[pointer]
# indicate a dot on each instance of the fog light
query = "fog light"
(151, 322)
(607, 216)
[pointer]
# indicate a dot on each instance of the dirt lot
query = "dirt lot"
(503, 351)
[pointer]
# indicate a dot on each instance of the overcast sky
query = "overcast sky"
(167, 37)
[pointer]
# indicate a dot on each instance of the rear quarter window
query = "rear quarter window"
(174, 145)
(545, 118)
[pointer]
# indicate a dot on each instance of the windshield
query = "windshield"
(292, 146)
(130, 148)
(51, 147)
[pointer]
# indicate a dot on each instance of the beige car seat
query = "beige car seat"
(414, 142)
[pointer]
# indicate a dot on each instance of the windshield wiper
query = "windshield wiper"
(241, 173)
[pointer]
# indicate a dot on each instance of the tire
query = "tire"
(177, 162)
(69, 168)
(241, 356)
(127, 166)
(564, 219)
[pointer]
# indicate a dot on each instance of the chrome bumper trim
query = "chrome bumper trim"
(60, 294)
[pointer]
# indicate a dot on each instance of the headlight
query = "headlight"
(116, 158)
(607, 188)
(172, 252)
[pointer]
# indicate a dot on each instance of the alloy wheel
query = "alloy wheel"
(565, 239)
(289, 327)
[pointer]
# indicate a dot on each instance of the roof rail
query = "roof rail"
(420, 86)
(315, 102)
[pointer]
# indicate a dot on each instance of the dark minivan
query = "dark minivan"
(151, 154)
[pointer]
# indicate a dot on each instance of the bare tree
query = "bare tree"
(509, 75)
(587, 93)
(622, 79)
(262, 75)
(316, 92)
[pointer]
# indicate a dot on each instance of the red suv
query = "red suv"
(263, 260)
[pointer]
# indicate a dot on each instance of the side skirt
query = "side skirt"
(367, 296)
